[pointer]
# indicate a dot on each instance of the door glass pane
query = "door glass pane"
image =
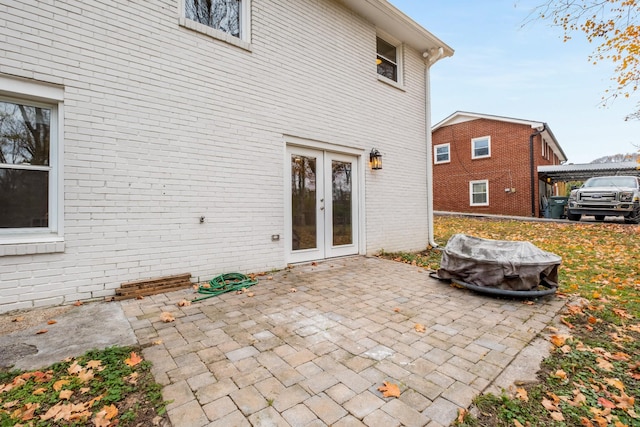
(342, 215)
(303, 202)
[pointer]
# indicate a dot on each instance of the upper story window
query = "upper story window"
(481, 147)
(479, 193)
(389, 59)
(228, 20)
(441, 153)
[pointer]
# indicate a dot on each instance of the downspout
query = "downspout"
(431, 57)
(532, 176)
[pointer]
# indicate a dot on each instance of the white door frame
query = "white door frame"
(329, 151)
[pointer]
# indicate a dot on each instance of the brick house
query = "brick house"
(488, 164)
(143, 139)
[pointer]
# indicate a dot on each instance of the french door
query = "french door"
(322, 204)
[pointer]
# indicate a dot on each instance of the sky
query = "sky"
(504, 64)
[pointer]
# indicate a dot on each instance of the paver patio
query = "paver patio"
(316, 356)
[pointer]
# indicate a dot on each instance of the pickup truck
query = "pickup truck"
(606, 196)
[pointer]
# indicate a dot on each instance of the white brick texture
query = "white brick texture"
(163, 125)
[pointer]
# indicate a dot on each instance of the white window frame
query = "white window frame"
(473, 147)
(16, 241)
(244, 41)
(435, 153)
(399, 62)
(471, 192)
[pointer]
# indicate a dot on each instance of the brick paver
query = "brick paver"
(316, 357)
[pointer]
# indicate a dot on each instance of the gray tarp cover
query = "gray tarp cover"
(518, 266)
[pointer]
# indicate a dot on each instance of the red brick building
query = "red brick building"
(488, 164)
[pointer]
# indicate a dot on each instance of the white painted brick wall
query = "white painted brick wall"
(164, 124)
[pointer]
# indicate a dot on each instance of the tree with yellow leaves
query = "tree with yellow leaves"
(614, 25)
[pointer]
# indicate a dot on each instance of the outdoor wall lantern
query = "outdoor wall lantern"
(375, 159)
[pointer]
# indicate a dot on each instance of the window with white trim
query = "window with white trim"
(441, 153)
(219, 18)
(389, 59)
(481, 147)
(30, 163)
(479, 193)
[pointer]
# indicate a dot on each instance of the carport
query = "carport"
(554, 179)
(581, 172)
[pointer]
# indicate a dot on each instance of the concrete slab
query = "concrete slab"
(76, 331)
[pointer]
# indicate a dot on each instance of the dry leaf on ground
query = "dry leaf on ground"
(389, 389)
(184, 303)
(167, 317)
(133, 359)
(419, 327)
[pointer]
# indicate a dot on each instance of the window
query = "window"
(30, 163)
(441, 153)
(481, 147)
(227, 20)
(388, 59)
(479, 193)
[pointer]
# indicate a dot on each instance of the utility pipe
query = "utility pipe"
(431, 56)
(532, 168)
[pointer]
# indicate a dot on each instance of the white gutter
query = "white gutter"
(431, 57)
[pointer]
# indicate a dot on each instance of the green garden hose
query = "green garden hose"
(224, 283)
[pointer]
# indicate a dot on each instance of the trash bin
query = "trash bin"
(557, 204)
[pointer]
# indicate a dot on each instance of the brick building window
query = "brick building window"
(481, 147)
(479, 193)
(30, 162)
(441, 153)
(219, 19)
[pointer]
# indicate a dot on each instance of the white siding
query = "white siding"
(164, 125)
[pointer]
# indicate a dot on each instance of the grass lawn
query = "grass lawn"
(592, 377)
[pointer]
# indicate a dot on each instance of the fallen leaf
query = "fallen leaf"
(250, 294)
(614, 382)
(522, 394)
(39, 391)
(140, 297)
(461, 414)
(18, 319)
(167, 317)
(65, 394)
(605, 403)
(604, 364)
(293, 290)
(549, 405)
(419, 328)
(558, 340)
(133, 378)
(557, 416)
(397, 309)
(85, 375)
(92, 364)
(75, 368)
(57, 386)
(77, 303)
(586, 422)
(528, 302)
(133, 359)
(389, 389)
(517, 423)
(561, 374)
(52, 322)
(157, 342)
(184, 303)
(593, 320)
(42, 331)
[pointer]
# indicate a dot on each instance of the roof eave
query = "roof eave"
(395, 23)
